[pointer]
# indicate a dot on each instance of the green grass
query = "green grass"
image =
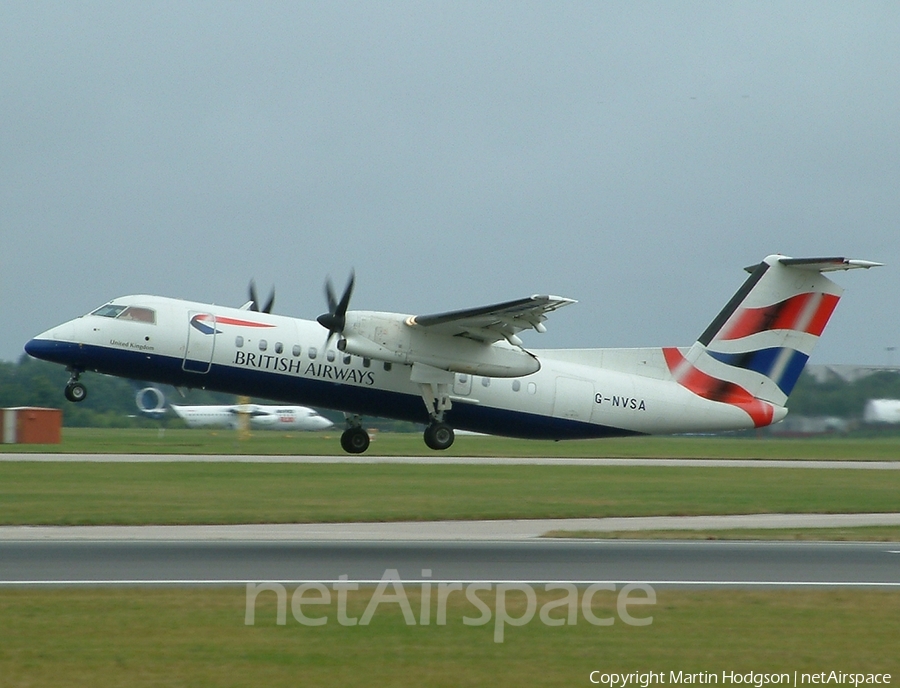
(197, 637)
(180, 441)
(196, 493)
(860, 534)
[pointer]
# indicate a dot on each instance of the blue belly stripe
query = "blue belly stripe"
(292, 389)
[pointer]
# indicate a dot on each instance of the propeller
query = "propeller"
(336, 317)
(255, 299)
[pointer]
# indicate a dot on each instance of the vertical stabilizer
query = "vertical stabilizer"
(753, 352)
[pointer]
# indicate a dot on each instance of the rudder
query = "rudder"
(753, 352)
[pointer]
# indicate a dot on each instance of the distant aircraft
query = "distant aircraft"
(882, 411)
(469, 369)
(152, 402)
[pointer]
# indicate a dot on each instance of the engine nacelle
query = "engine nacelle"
(388, 337)
(151, 401)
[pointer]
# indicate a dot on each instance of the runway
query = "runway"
(458, 551)
(468, 531)
(439, 459)
(704, 563)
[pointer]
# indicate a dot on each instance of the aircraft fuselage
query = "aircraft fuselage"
(575, 393)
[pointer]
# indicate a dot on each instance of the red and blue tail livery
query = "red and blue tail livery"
(752, 354)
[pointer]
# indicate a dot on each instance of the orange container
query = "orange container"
(31, 425)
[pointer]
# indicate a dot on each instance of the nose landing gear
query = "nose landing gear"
(75, 391)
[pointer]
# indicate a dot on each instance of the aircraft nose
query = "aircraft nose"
(39, 347)
(56, 344)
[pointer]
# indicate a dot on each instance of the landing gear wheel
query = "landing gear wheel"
(75, 391)
(439, 436)
(355, 440)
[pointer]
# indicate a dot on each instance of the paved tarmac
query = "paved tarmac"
(439, 459)
(469, 531)
(703, 563)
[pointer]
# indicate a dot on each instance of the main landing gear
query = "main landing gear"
(355, 439)
(435, 392)
(439, 436)
(75, 391)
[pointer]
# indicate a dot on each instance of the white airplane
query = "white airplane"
(469, 369)
(879, 411)
(152, 402)
(261, 417)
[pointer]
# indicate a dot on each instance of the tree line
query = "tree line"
(111, 400)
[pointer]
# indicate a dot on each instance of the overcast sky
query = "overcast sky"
(634, 156)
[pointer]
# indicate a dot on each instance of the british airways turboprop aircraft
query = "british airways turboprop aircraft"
(469, 369)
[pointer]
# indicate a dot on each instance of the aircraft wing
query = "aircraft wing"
(491, 323)
(249, 409)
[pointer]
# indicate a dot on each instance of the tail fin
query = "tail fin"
(752, 354)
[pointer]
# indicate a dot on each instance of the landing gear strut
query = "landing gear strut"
(355, 439)
(75, 391)
(435, 389)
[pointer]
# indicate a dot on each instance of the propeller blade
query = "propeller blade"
(345, 299)
(253, 297)
(336, 317)
(271, 302)
(329, 296)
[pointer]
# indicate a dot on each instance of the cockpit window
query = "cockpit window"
(138, 314)
(109, 311)
(135, 313)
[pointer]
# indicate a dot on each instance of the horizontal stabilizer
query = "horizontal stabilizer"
(822, 264)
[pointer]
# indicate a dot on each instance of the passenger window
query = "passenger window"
(347, 359)
(313, 352)
(367, 362)
(485, 382)
(296, 350)
(330, 355)
(387, 366)
(239, 341)
(516, 385)
(263, 345)
(532, 388)
(279, 347)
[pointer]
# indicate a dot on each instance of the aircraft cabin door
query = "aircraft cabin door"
(201, 342)
(574, 399)
(462, 385)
